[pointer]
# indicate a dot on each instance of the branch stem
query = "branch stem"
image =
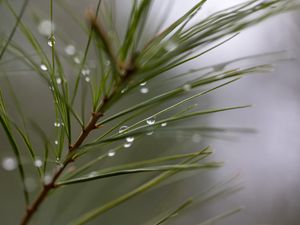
(51, 186)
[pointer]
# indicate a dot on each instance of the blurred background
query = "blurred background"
(268, 161)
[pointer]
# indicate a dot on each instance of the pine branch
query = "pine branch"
(31, 210)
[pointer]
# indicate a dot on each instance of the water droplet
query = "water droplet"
(59, 164)
(87, 79)
(151, 120)
(51, 41)
(122, 129)
(9, 163)
(30, 184)
(111, 153)
(196, 138)
(57, 124)
(123, 72)
(124, 90)
(56, 142)
(144, 90)
(92, 174)
(38, 163)
(187, 87)
(130, 139)
(219, 67)
(77, 60)
(171, 46)
(85, 71)
(143, 84)
(43, 67)
(46, 27)
(47, 179)
(70, 50)
(51, 88)
(58, 80)
(221, 76)
(164, 124)
(127, 145)
(150, 133)
(180, 136)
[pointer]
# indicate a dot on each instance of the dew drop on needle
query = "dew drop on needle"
(130, 139)
(122, 129)
(70, 50)
(127, 145)
(111, 153)
(51, 41)
(151, 120)
(43, 67)
(38, 163)
(9, 163)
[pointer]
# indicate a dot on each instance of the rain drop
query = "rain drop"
(77, 60)
(30, 184)
(45, 27)
(92, 174)
(38, 163)
(56, 142)
(180, 136)
(127, 145)
(151, 120)
(171, 45)
(150, 133)
(51, 41)
(143, 84)
(58, 80)
(123, 72)
(70, 50)
(87, 79)
(9, 164)
(130, 139)
(43, 67)
(144, 90)
(122, 129)
(85, 71)
(196, 138)
(187, 87)
(111, 153)
(57, 124)
(164, 124)
(47, 179)
(219, 67)
(59, 163)
(221, 76)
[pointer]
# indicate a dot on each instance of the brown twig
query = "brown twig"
(48, 187)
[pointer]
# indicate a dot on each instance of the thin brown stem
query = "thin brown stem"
(42, 196)
(48, 187)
